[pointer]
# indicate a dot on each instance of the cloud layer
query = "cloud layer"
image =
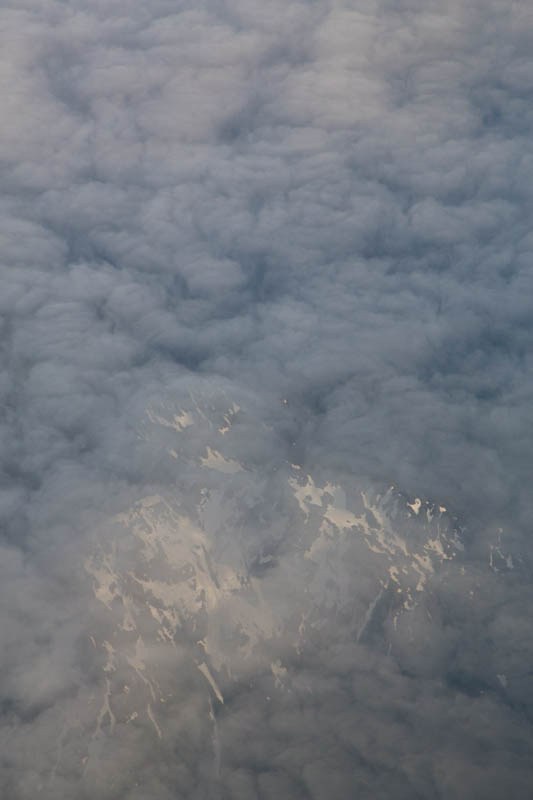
(318, 210)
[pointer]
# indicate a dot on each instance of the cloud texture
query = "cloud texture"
(321, 210)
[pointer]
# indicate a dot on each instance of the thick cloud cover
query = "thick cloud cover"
(321, 209)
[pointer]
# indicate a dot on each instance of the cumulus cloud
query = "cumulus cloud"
(320, 212)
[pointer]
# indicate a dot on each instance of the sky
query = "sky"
(322, 211)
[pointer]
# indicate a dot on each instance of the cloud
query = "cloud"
(321, 213)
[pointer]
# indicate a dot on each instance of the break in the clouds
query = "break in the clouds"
(265, 384)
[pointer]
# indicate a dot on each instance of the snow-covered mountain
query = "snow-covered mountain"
(231, 575)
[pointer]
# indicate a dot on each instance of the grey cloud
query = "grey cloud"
(321, 212)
